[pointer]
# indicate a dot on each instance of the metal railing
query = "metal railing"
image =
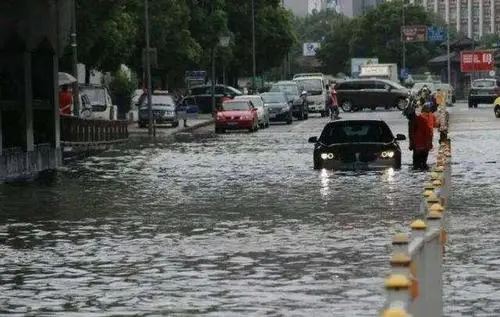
(414, 286)
(78, 131)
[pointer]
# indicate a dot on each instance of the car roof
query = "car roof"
(243, 97)
(237, 100)
(285, 82)
(356, 121)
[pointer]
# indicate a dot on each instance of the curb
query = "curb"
(196, 126)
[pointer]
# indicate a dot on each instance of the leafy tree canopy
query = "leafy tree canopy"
(184, 32)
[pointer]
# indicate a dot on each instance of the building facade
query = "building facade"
(350, 8)
(474, 18)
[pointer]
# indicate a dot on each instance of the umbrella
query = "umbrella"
(66, 79)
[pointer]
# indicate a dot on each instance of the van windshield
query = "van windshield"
(309, 84)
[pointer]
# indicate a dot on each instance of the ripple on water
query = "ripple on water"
(232, 229)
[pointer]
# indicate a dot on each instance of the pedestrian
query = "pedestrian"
(181, 110)
(65, 101)
(421, 136)
(334, 105)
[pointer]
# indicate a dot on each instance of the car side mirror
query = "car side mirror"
(400, 137)
(313, 139)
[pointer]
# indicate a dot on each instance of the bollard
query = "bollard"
(400, 243)
(394, 312)
(400, 264)
(397, 286)
(418, 228)
(431, 200)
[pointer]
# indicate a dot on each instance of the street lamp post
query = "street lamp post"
(448, 51)
(254, 65)
(74, 46)
(223, 42)
(148, 68)
(403, 36)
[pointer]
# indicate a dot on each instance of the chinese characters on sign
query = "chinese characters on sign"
(414, 33)
(477, 61)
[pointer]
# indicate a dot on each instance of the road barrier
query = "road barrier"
(414, 286)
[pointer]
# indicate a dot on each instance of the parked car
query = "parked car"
(203, 95)
(278, 106)
(450, 93)
(237, 115)
(496, 108)
(357, 94)
(483, 91)
(357, 144)
(163, 105)
(297, 97)
(315, 86)
(102, 106)
(262, 110)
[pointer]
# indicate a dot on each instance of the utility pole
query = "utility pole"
(403, 36)
(254, 65)
(148, 68)
(74, 46)
(448, 50)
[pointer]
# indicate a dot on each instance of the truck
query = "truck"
(382, 71)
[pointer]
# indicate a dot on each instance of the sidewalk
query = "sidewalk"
(201, 120)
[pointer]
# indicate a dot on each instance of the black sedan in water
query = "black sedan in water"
(347, 144)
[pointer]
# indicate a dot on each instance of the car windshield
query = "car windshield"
(236, 105)
(356, 132)
(254, 99)
(274, 98)
(484, 83)
(290, 90)
(310, 84)
(159, 100)
(96, 95)
(398, 85)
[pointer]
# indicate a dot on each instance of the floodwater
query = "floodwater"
(236, 225)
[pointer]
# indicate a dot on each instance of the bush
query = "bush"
(122, 88)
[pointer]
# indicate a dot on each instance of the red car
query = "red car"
(237, 115)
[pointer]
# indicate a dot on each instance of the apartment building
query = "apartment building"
(304, 7)
(474, 18)
(350, 8)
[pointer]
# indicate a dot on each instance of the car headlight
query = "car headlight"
(387, 154)
(221, 118)
(327, 156)
(246, 117)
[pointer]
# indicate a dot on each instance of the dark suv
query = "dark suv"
(483, 91)
(357, 94)
(297, 97)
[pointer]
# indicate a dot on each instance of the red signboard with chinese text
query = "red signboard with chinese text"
(476, 61)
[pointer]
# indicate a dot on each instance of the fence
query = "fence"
(414, 286)
(77, 131)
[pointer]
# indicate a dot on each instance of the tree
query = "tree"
(273, 34)
(107, 32)
(377, 33)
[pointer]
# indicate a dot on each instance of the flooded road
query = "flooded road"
(237, 225)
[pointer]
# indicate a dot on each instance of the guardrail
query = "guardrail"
(78, 131)
(414, 286)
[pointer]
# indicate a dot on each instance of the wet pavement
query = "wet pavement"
(240, 225)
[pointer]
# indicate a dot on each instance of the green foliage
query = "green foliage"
(490, 40)
(377, 33)
(184, 32)
(106, 32)
(122, 87)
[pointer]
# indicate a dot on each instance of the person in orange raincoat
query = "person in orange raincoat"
(421, 136)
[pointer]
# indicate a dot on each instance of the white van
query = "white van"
(102, 106)
(314, 85)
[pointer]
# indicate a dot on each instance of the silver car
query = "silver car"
(262, 111)
(163, 110)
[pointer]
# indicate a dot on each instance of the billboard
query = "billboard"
(476, 61)
(309, 49)
(357, 62)
(414, 33)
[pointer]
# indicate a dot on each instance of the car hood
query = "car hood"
(369, 147)
(232, 113)
(276, 105)
(157, 108)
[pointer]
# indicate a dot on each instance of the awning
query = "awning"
(454, 57)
